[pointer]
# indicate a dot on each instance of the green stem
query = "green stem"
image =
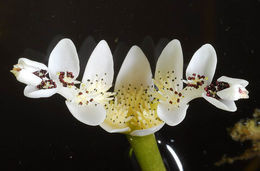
(147, 152)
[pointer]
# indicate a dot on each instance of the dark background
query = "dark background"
(41, 134)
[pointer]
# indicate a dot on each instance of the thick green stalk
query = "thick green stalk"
(147, 152)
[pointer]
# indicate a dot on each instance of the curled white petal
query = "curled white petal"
(230, 80)
(234, 93)
(203, 62)
(91, 114)
(171, 60)
(31, 65)
(227, 105)
(27, 77)
(135, 70)
(144, 132)
(171, 115)
(100, 64)
(109, 128)
(34, 92)
(63, 58)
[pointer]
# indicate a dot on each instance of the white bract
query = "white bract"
(58, 77)
(133, 109)
(87, 102)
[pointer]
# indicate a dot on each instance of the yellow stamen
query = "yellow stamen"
(134, 108)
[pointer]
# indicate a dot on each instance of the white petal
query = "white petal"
(171, 59)
(88, 114)
(101, 64)
(27, 77)
(233, 93)
(144, 132)
(64, 58)
(34, 92)
(135, 70)
(227, 105)
(203, 62)
(230, 93)
(230, 80)
(171, 115)
(191, 94)
(67, 93)
(31, 65)
(112, 129)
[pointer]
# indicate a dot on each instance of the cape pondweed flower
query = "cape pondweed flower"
(224, 91)
(168, 80)
(174, 98)
(133, 109)
(58, 77)
(87, 102)
(139, 105)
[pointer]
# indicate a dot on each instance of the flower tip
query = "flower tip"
(66, 40)
(176, 41)
(135, 48)
(243, 93)
(208, 48)
(15, 71)
(207, 45)
(103, 45)
(103, 42)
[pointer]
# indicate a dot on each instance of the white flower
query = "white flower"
(25, 71)
(87, 102)
(224, 91)
(58, 77)
(174, 98)
(133, 110)
(168, 80)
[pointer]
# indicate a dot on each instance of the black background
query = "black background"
(41, 134)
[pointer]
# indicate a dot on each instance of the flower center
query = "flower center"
(212, 89)
(166, 88)
(92, 92)
(166, 81)
(134, 108)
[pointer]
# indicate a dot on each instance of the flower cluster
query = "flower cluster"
(140, 104)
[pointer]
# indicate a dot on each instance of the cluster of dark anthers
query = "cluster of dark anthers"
(197, 84)
(47, 84)
(62, 76)
(212, 89)
(42, 73)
